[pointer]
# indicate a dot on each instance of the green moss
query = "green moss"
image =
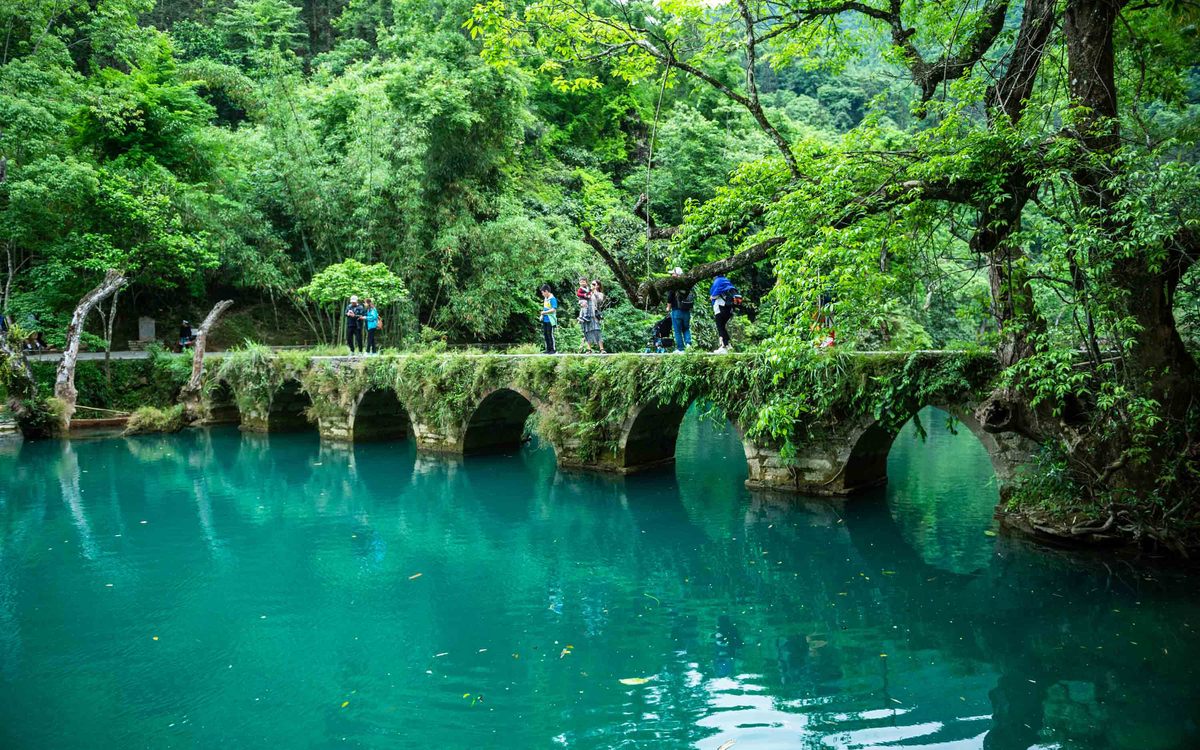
(151, 419)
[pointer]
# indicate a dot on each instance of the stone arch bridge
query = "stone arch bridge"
(821, 426)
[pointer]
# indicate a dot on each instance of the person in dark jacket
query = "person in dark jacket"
(186, 336)
(721, 293)
(356, 316)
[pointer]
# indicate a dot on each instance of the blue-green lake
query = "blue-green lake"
(214, 589)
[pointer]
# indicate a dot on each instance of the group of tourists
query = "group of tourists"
(590, 296)
(362, 318)
(723, 296)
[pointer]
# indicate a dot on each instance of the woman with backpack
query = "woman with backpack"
(723, 295)
(592, 335)
(680, 303)
(373, 327)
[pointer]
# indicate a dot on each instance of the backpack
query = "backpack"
(733, 297)
(686, 301)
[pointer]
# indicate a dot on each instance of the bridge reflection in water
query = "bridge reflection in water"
(281, 575)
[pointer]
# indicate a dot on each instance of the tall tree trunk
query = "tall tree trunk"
(190, 395)
(109, 318)
(1012, 294)
(64, 379)
(1158, 350)
(1120, 458)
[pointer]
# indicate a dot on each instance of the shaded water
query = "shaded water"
(214, 590)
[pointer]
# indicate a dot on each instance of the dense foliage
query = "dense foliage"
(241, 148)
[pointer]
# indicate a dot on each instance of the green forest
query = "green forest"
(1020, 177)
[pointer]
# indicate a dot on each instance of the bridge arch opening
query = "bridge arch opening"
(289, 408)
(648, 440)
(651, 437)
(498, 423)
(381, 416)
(870, 457)
(222, 404)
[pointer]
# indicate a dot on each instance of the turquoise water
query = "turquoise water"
(220, 590)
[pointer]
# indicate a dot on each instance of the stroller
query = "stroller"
(662, 337)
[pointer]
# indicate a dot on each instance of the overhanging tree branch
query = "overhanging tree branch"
(651, 292)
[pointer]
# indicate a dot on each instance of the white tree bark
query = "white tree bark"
(202, 340)
(190, 396)
(64, 379)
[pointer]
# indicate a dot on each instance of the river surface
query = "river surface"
(219, 590)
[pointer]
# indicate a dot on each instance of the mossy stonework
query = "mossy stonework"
(821, 426)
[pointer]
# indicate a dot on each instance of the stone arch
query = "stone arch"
(650, 434)
(379, 415)
(864, 461)
(498, 422)
(222, 404)
(288, 410)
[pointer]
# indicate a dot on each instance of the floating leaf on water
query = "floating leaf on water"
(889, 572)
(989, 532)
(154, 637)
(635, 680)
(345, 703)
(415, 576)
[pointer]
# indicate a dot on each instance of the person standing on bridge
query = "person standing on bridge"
(723, 294)
(680, 303)
(187, 337)
(356, 314)
(549, 317)
(592, 335)
(372, 321)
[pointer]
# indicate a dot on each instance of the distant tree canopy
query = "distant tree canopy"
(339, 282)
